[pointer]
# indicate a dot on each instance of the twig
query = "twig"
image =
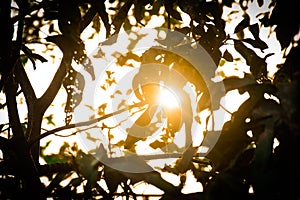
(78, 131)
(3, 105)
(85, 123)
(225, 109)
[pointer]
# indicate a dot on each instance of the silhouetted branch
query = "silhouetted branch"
(85, 123)
(87, 18)
(26, 86)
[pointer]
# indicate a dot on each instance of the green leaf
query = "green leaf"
(50, 120)
(24, 59)
(53, 158)
(88, 167)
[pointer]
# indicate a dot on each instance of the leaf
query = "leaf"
(32, 56)
(258, 65)
(227, 56)
(232, 83)
(243, 24)
(157, 144)
(136, 169)
(55, 183)
(139, 9)
(51, 28)
(233, 139)
(121, 15)
(184, 30)
(176, 15)
(128, 92)
(127, 25)
(101, 109)
(88, 166)
(101, 9)
(254, 29)
(53, 158)
(170, 10)
(50, 120)
(257, 43)
(112, 183)
(96, 23)
(38, 57)
(228, 3)
(75, 182)
(28, 53)
(183, 164)
(1, 127)
(260, 3)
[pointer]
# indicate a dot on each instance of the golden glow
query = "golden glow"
(167, 98)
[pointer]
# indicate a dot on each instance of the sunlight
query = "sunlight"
(168, 99)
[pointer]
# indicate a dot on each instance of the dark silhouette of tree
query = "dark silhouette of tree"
(239, 160)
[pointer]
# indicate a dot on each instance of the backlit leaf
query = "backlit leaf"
(243, 24)
(101, 10)
(258, 65)
(227, 56)
(254, 29)
(121, 15)
(257, 43)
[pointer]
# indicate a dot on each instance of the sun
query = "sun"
(168, 98)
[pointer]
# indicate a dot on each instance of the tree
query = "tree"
(245, 155)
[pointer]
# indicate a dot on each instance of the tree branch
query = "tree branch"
(87, 18)
(27, 12)
(85, 123)
(26, 167)
(5, 41)
(26, 86)
(46, 99)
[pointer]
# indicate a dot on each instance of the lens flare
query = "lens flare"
(168, 98)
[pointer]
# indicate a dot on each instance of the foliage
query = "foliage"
(258, 147)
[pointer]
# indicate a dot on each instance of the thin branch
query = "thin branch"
(26, 86)
(85, 123)
(87, 18)
(5, 104)
(46, 99)
(74, 133)
(226, 110)
(27, 12)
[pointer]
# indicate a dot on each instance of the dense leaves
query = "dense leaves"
(257, 148)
